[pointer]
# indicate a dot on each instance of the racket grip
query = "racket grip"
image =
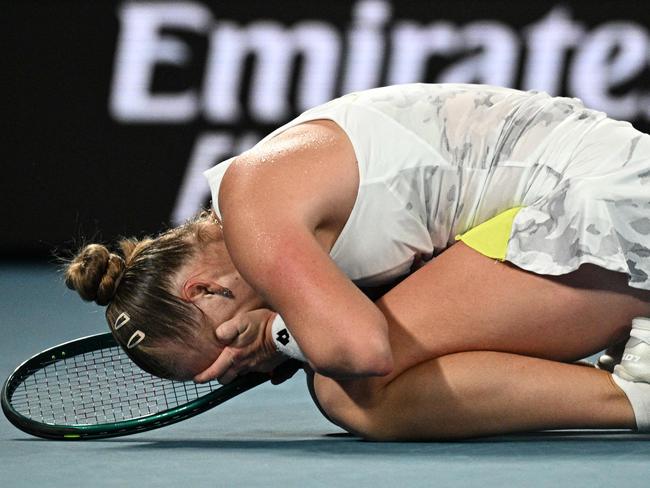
(285, 371)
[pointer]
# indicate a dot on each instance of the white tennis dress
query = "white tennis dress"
(438, 160)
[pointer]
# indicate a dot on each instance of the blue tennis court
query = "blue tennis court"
(272, 435)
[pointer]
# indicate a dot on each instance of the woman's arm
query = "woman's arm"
(275, 201)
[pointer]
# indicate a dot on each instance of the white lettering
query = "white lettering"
(611, 55)
(209, 149)
(602, 60)
(413, 45)
(496, 62)
(275, 48)
(548, 42)
(599, 65)
(365, 45)
(140, 48)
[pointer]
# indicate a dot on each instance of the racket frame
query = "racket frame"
(110, 429)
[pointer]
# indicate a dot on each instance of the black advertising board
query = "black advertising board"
(113, 109)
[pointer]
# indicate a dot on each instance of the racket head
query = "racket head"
(70, 392)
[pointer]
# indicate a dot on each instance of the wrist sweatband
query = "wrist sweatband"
(283, 340)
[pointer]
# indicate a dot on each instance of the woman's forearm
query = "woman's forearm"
(344, 361)
(369, 355)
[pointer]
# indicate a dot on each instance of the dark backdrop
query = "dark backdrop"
(111, 110)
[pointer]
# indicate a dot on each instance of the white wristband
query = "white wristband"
(283, 340)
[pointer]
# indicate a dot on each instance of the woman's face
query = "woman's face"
(211, 282)
(203, 351)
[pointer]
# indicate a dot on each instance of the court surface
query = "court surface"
(272, 435)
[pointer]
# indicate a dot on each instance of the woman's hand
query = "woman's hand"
(248, 346)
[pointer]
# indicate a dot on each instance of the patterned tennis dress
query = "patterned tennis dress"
(539, 181)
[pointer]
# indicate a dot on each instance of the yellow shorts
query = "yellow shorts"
(492, 236)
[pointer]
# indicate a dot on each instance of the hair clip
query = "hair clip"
(121, 321)
(136, 338)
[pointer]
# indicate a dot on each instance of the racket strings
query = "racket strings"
(101, 386)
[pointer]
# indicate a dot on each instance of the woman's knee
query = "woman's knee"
(363, 410)
(352, 406)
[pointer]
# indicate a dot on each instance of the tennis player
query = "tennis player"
(517, 226)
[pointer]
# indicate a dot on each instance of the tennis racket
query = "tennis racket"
(88, 388)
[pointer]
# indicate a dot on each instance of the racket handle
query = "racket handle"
(285, 371)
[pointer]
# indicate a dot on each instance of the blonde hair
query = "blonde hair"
(138, 280)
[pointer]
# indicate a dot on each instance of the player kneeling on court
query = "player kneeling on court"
(517, 225)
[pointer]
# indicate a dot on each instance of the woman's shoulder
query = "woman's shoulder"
(308, 172)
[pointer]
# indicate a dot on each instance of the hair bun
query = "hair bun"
(95, 273)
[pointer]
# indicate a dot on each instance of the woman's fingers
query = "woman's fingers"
(218, 368)
(243, 337)
(228, 376)
(228, 331)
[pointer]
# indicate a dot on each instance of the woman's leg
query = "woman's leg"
(472, 342)
(478, 393)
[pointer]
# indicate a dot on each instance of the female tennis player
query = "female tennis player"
(517, 225)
